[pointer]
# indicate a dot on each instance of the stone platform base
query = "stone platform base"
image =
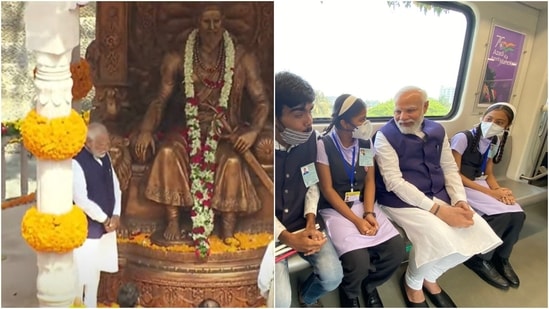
(175, 279)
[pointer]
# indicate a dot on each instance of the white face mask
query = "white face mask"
(490, 129)
(363, 131)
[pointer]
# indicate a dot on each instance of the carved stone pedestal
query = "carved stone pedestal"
(173, 279)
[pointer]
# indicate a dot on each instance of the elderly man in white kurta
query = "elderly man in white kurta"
(419, 187)
(97, 191)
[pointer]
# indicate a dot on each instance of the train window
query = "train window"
(372, 48)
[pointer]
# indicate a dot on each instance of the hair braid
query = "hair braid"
(330, 126)
(335, 112)
(499, 154)
(476, 139)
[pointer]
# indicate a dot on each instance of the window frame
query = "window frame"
(467, 11)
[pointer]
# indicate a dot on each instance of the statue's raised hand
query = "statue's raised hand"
(144, 140)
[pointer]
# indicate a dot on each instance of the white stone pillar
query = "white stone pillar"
(52, 31)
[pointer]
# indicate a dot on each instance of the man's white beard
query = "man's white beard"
(100, 155)
(412, 129)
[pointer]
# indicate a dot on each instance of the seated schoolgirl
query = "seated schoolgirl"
(368, 245)
(476, 151)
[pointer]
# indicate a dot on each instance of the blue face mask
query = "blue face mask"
(295, 138)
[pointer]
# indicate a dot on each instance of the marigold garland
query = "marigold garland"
(22, 200)
(54, 233)
(81, 79)
(217, 246)
(13, 128)
(77, 303)
(111, 305)
(53, 139)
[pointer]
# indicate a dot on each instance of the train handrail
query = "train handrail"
(542, 173)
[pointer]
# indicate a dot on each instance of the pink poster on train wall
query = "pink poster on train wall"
(501, 65)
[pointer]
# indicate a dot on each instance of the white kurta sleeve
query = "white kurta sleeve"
(117, 194)
(278, 228)
(266, 270)
(311, 200)
(387, 160)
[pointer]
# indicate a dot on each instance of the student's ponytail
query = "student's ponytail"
(476, 139)
(499, 153)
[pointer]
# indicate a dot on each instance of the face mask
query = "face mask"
(363, 131)
(295, 138)
(490, 129)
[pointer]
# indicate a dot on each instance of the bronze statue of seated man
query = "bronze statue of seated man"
(201, 165)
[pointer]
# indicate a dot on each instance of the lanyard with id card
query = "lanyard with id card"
(366, 157)
(308, 172)
(485, 157)
(350, 196)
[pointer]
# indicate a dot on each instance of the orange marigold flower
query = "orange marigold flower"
(217, 246)
(53, 139)
(22, 200)
(54, 233)
(81, 79)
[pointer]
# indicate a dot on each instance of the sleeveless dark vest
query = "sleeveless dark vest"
(100, 187)
(419, 162)
(340, 179)
(471, 159)
(290, 188)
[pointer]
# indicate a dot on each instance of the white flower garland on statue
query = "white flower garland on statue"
(202, 154)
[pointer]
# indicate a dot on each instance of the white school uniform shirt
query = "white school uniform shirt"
(343, 233)
(482, 203)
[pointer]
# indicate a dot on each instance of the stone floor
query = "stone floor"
(19, 268)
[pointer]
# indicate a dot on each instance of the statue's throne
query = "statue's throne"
(131, 40)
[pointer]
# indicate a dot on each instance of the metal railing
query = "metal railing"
(23, 164)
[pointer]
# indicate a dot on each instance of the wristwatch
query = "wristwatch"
(366, 213)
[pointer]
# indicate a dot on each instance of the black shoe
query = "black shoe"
(506, 270)
(372, 299)
(441, 300)
(346, 302)
(410, 304)
(349, 302)
(486, 270)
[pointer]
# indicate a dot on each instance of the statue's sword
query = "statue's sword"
(248, 156)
